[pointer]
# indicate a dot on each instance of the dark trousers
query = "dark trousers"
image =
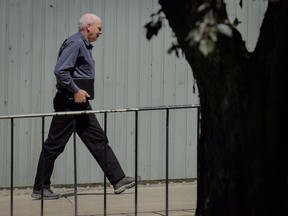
(89, 131)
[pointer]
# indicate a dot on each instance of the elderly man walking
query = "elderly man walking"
(75, 61)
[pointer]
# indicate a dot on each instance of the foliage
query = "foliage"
(204, 35)
(154, 26)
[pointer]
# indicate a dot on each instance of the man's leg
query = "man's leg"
(91, 133)
(60, 131)
(93, 136)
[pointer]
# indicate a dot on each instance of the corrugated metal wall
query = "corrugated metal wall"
(130, 72)
(250, 16)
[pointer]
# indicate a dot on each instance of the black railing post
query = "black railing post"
(42, 165)
(136, 162)
(198, 125)
(75, 170)
(12, 167)
(105, 165)
(167, 161)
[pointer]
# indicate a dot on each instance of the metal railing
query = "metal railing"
(136, 111)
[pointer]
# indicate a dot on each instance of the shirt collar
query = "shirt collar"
(87, 43)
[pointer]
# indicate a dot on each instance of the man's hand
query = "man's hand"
(81, 96)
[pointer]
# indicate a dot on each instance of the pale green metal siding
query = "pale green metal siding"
(130, 72)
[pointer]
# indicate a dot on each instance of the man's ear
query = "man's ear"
(88, 27)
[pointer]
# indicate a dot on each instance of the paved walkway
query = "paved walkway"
(151, 201)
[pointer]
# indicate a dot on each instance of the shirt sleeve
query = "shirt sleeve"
(66, 65)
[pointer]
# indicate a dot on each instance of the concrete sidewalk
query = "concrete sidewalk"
(151, 201)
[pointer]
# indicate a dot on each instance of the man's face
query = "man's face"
(94, 30)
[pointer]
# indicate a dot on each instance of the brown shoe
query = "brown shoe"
(125, 183)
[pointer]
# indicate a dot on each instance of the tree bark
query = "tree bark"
(242, 163)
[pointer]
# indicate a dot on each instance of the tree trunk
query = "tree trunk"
(242, 163)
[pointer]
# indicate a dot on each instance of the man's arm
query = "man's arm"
(65, 66)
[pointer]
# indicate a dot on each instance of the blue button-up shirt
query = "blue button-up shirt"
(75, 60)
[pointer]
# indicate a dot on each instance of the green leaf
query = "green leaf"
(213, 36)
(206, 47)
(224, 29)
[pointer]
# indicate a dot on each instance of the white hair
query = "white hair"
(86, 19)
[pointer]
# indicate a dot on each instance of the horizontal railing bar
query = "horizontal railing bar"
(100, 111)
